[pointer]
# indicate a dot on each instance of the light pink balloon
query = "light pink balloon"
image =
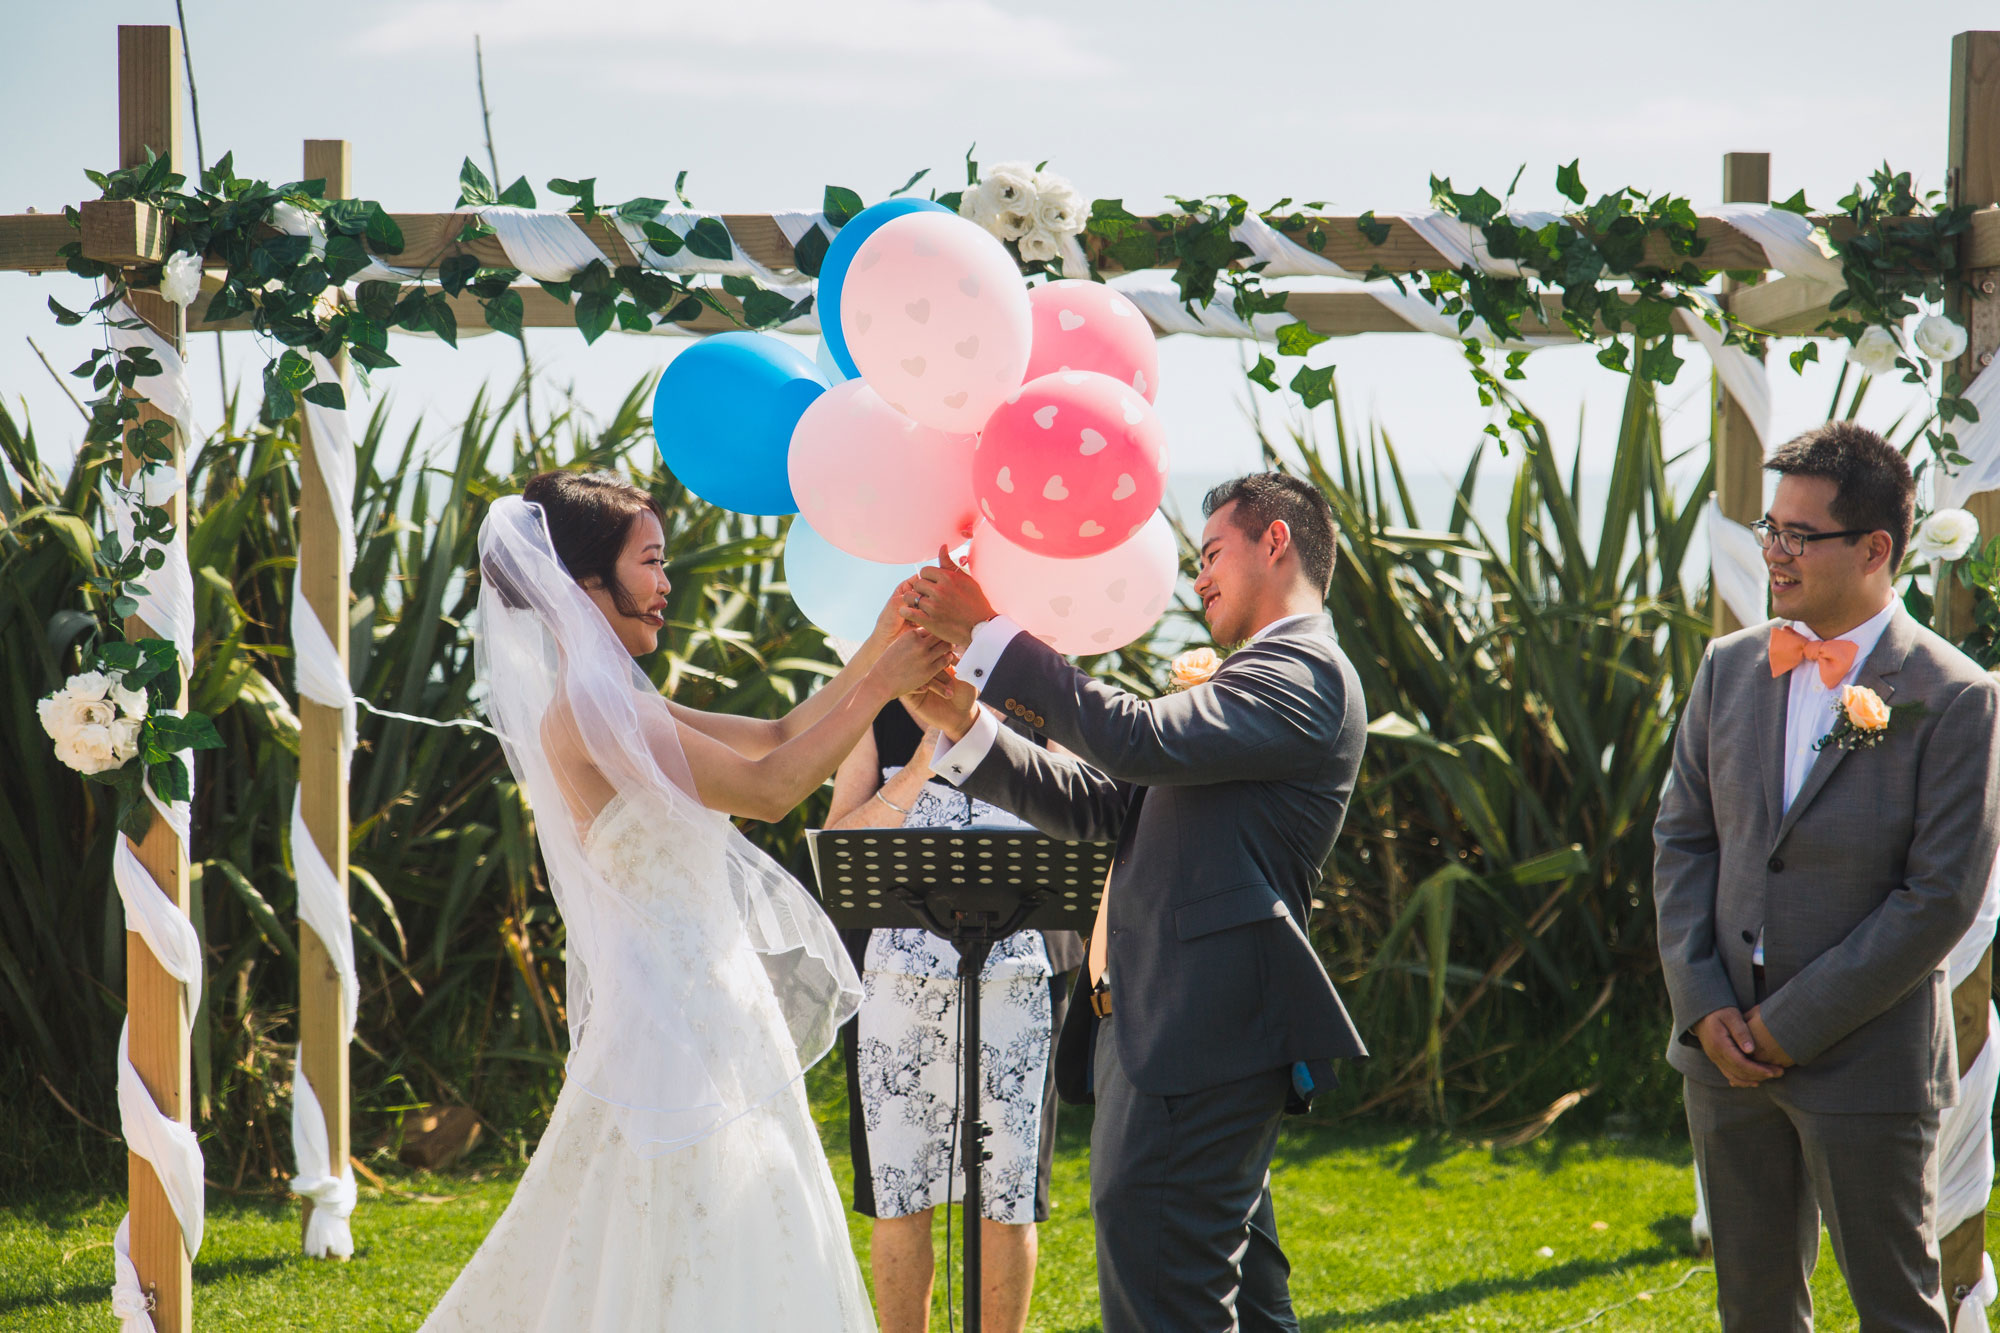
(877, 484)
(1083, 606)
(936, 317)
(1072, 465)
(1083, 325)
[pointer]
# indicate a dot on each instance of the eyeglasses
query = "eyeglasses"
(1770, 534)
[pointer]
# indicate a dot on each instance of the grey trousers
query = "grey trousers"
(1180, 1189)
(1771, 1171)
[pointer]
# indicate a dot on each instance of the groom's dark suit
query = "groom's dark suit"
(1224, 801)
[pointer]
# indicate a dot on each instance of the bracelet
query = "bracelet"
(891, 804)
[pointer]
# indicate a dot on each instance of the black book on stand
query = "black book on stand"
(974, 887)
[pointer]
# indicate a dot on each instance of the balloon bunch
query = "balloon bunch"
(949, 402)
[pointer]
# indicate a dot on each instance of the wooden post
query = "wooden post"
(149, 115)
(1738, 453)
(322, 765)
(1973, 177)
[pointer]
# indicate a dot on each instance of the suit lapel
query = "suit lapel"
(1773, 705)
(1898, 637)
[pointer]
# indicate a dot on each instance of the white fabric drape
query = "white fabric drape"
(1736, 566)
(167, 604)
(332, 1194)
(1979, 441)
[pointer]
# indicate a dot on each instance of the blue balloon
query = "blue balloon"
(723, 417)
(833, 268)
(841, 593)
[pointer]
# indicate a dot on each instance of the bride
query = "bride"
(681, 1183)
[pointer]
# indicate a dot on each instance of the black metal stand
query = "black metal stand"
(974, 888)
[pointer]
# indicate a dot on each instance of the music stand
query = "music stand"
(973, 887)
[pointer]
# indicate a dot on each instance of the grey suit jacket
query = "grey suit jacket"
(1224, 801)
(1861, 888)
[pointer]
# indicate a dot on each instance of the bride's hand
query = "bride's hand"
(889, 620)
(947, 704)
(910, 662)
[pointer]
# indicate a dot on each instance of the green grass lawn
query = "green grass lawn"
(1386, 1231)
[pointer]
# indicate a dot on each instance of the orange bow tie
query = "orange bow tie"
(1789, 648)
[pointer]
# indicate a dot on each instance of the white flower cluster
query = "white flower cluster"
(94, 721)
(1937, 337)
(180, 277)
(1033, 209)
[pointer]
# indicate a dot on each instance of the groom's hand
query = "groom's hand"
(947, 601)
(947, 704)
(1727, 1041)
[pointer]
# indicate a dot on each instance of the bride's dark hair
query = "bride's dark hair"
(590, 514)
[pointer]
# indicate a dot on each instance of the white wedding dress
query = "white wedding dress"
(741, 1230)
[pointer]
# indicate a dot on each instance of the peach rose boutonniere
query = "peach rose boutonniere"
(1192, 668)
(1860, 720)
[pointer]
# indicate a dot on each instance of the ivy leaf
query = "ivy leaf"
(1570, 182)
(64, 316)
(662, 238)
(1314, 385)
(377, 300)
(328, 395)
(1297, 340)
(456, 271)
(687, 308)
(1260, 373)
(473, 187)
(740, 287)
(594, 314)
(382, 231)
(559, 290)
(1808, 352)
(911, 182)
(294, 371)
(642, 209)
(594, 279)
(443, 319)
(762, 310)
(1796, 204)
(950, 201)
(345, 257)
(583, 191)
(632, 319)
(841, 204)
(810, 252)
(503, 313)
(478, 229)
(680, 190)
(519, 195)
(279, 254)
(650, 290)
(710, 240)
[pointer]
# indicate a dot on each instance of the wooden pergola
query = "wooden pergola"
(151, 94)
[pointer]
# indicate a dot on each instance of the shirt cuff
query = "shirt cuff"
(989, 639)
(954, 762)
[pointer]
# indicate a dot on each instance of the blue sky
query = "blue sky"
(764, 104)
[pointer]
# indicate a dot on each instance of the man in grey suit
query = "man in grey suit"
(1204, 1009)
(1813, 872)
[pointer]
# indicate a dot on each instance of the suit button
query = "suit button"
(1011, 705)
(1748, 938)
(1774, 865)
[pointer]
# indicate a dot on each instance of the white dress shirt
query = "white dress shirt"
(953, 761)
(1809, 711)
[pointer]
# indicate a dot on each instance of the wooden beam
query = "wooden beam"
(1738, 453)
(1973, 177)
(149, 116)
(124, 231)
(28, 241)
(1789, 307)
(323, 787)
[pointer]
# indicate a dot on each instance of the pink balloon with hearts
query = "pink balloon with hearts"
(877, 484)
(936, 317)
(1092, 605)
(1082, 325)
(1072, 465)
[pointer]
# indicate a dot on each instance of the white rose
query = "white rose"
(132, 703)
(58, 714)
(125, 738)
(89, 686)
(1039, 244)
(1949, 534)
(180, 278)
(1939, 338)
(1011, 186)
(91, 750)
(1009, 222)
(295, 221)
(1875, 351)
(1058, 207)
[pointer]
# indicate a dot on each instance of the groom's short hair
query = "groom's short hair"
(1262, 498)
(1874, 490)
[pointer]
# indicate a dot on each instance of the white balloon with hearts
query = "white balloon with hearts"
(1081, 606)
(877, 484)
(936, 316)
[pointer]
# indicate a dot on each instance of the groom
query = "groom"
(1814, 869)
(1204, 1012)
